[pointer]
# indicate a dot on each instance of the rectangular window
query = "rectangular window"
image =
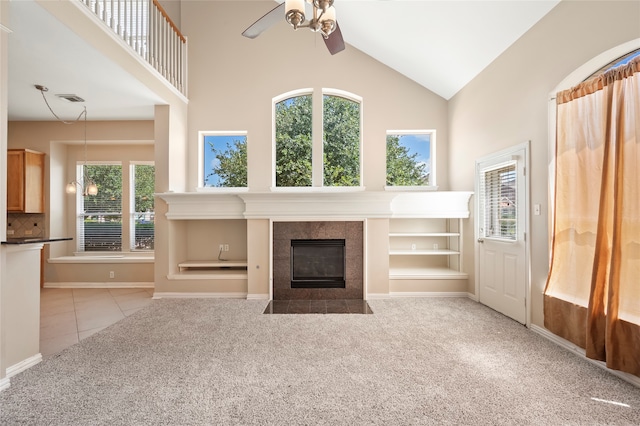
(107, 222)
(100, 216)
(224, 160)
(498, 195)
(142, 220)
(410, 158)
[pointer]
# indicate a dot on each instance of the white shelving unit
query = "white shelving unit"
(425, 248)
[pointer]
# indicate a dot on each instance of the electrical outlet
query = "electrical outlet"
(221, 247)
(226, 247)
(28, 232)
(112, 274)
(10, 231)
(413, 246)
(435, 246)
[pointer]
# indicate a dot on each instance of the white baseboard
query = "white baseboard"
(257, 296)
(4, 383)
(473, 297)
(399, 294)
(23, 365)
(105, 284)
(379, 296)
(176, 295)
(581, 353)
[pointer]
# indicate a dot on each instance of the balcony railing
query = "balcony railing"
(145, 26)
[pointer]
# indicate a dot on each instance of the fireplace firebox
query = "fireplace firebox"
(318, 263)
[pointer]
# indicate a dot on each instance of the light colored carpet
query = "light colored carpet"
(223, 362)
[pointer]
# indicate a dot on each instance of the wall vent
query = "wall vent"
(70, 98)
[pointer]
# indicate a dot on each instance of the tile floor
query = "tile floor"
(70, 315)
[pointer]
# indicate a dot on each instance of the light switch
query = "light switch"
(536, 209)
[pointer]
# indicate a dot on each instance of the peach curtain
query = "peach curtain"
(592, 296)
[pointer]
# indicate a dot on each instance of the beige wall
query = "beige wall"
(233, 79)
(232, 82)
(507, 105)
(4, 88)
(107, 141)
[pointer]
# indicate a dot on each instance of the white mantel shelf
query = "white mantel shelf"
(316, 205)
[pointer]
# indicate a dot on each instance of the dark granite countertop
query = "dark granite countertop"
(35, 240)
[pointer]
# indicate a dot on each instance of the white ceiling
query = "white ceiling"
(442, 45)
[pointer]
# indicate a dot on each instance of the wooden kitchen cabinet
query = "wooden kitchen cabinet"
(25, 181)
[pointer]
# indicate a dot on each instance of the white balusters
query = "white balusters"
(146, 28)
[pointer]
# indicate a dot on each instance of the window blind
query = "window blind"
(143, 216)
(99, 223)
(499, 200)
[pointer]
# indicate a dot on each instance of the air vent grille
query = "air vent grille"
(71, 98)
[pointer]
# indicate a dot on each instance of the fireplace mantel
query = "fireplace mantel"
(312, 205)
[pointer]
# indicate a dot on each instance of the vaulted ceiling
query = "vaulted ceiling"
(442, 45)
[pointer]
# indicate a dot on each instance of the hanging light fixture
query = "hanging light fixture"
(88, 186)
(324, 16)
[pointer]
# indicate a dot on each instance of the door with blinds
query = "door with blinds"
(501, 225)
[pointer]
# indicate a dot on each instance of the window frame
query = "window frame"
(80, 214)
(126, 210)
(433, 185)
(202, 134)
(317, 136)
(132, 208)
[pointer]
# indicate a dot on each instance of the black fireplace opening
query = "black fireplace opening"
(318, 263)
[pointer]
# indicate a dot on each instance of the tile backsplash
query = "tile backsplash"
(20, 225)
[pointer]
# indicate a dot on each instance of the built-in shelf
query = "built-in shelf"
(425, 249)
(212, 265)
(435, 252)
(434, 273)
(424, 234)
(211, 270)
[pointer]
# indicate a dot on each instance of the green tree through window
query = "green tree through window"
(341, 137)
(293, 141)
(225, 161)
(409, 160)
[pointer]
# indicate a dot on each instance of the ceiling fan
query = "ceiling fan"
(323, 21)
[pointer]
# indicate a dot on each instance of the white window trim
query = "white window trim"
(201, 135)
(80, 203)
(317, 136)
(132, 206)
(107, 256)
(573, 79)
(432, 155)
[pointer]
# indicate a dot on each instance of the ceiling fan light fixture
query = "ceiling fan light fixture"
(323, 5)
(328, 21)
(294, 12)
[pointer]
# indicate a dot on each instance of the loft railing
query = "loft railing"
(145, 26)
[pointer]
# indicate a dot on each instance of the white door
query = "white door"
(501, 207)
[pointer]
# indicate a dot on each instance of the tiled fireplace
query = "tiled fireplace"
(351, 232)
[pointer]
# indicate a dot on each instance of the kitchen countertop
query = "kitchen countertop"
(35, 240)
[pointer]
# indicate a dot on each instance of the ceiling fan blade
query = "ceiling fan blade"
(270, 18)
(335, 42)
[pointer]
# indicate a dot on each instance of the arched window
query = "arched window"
(329, 157)
(622, 60)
